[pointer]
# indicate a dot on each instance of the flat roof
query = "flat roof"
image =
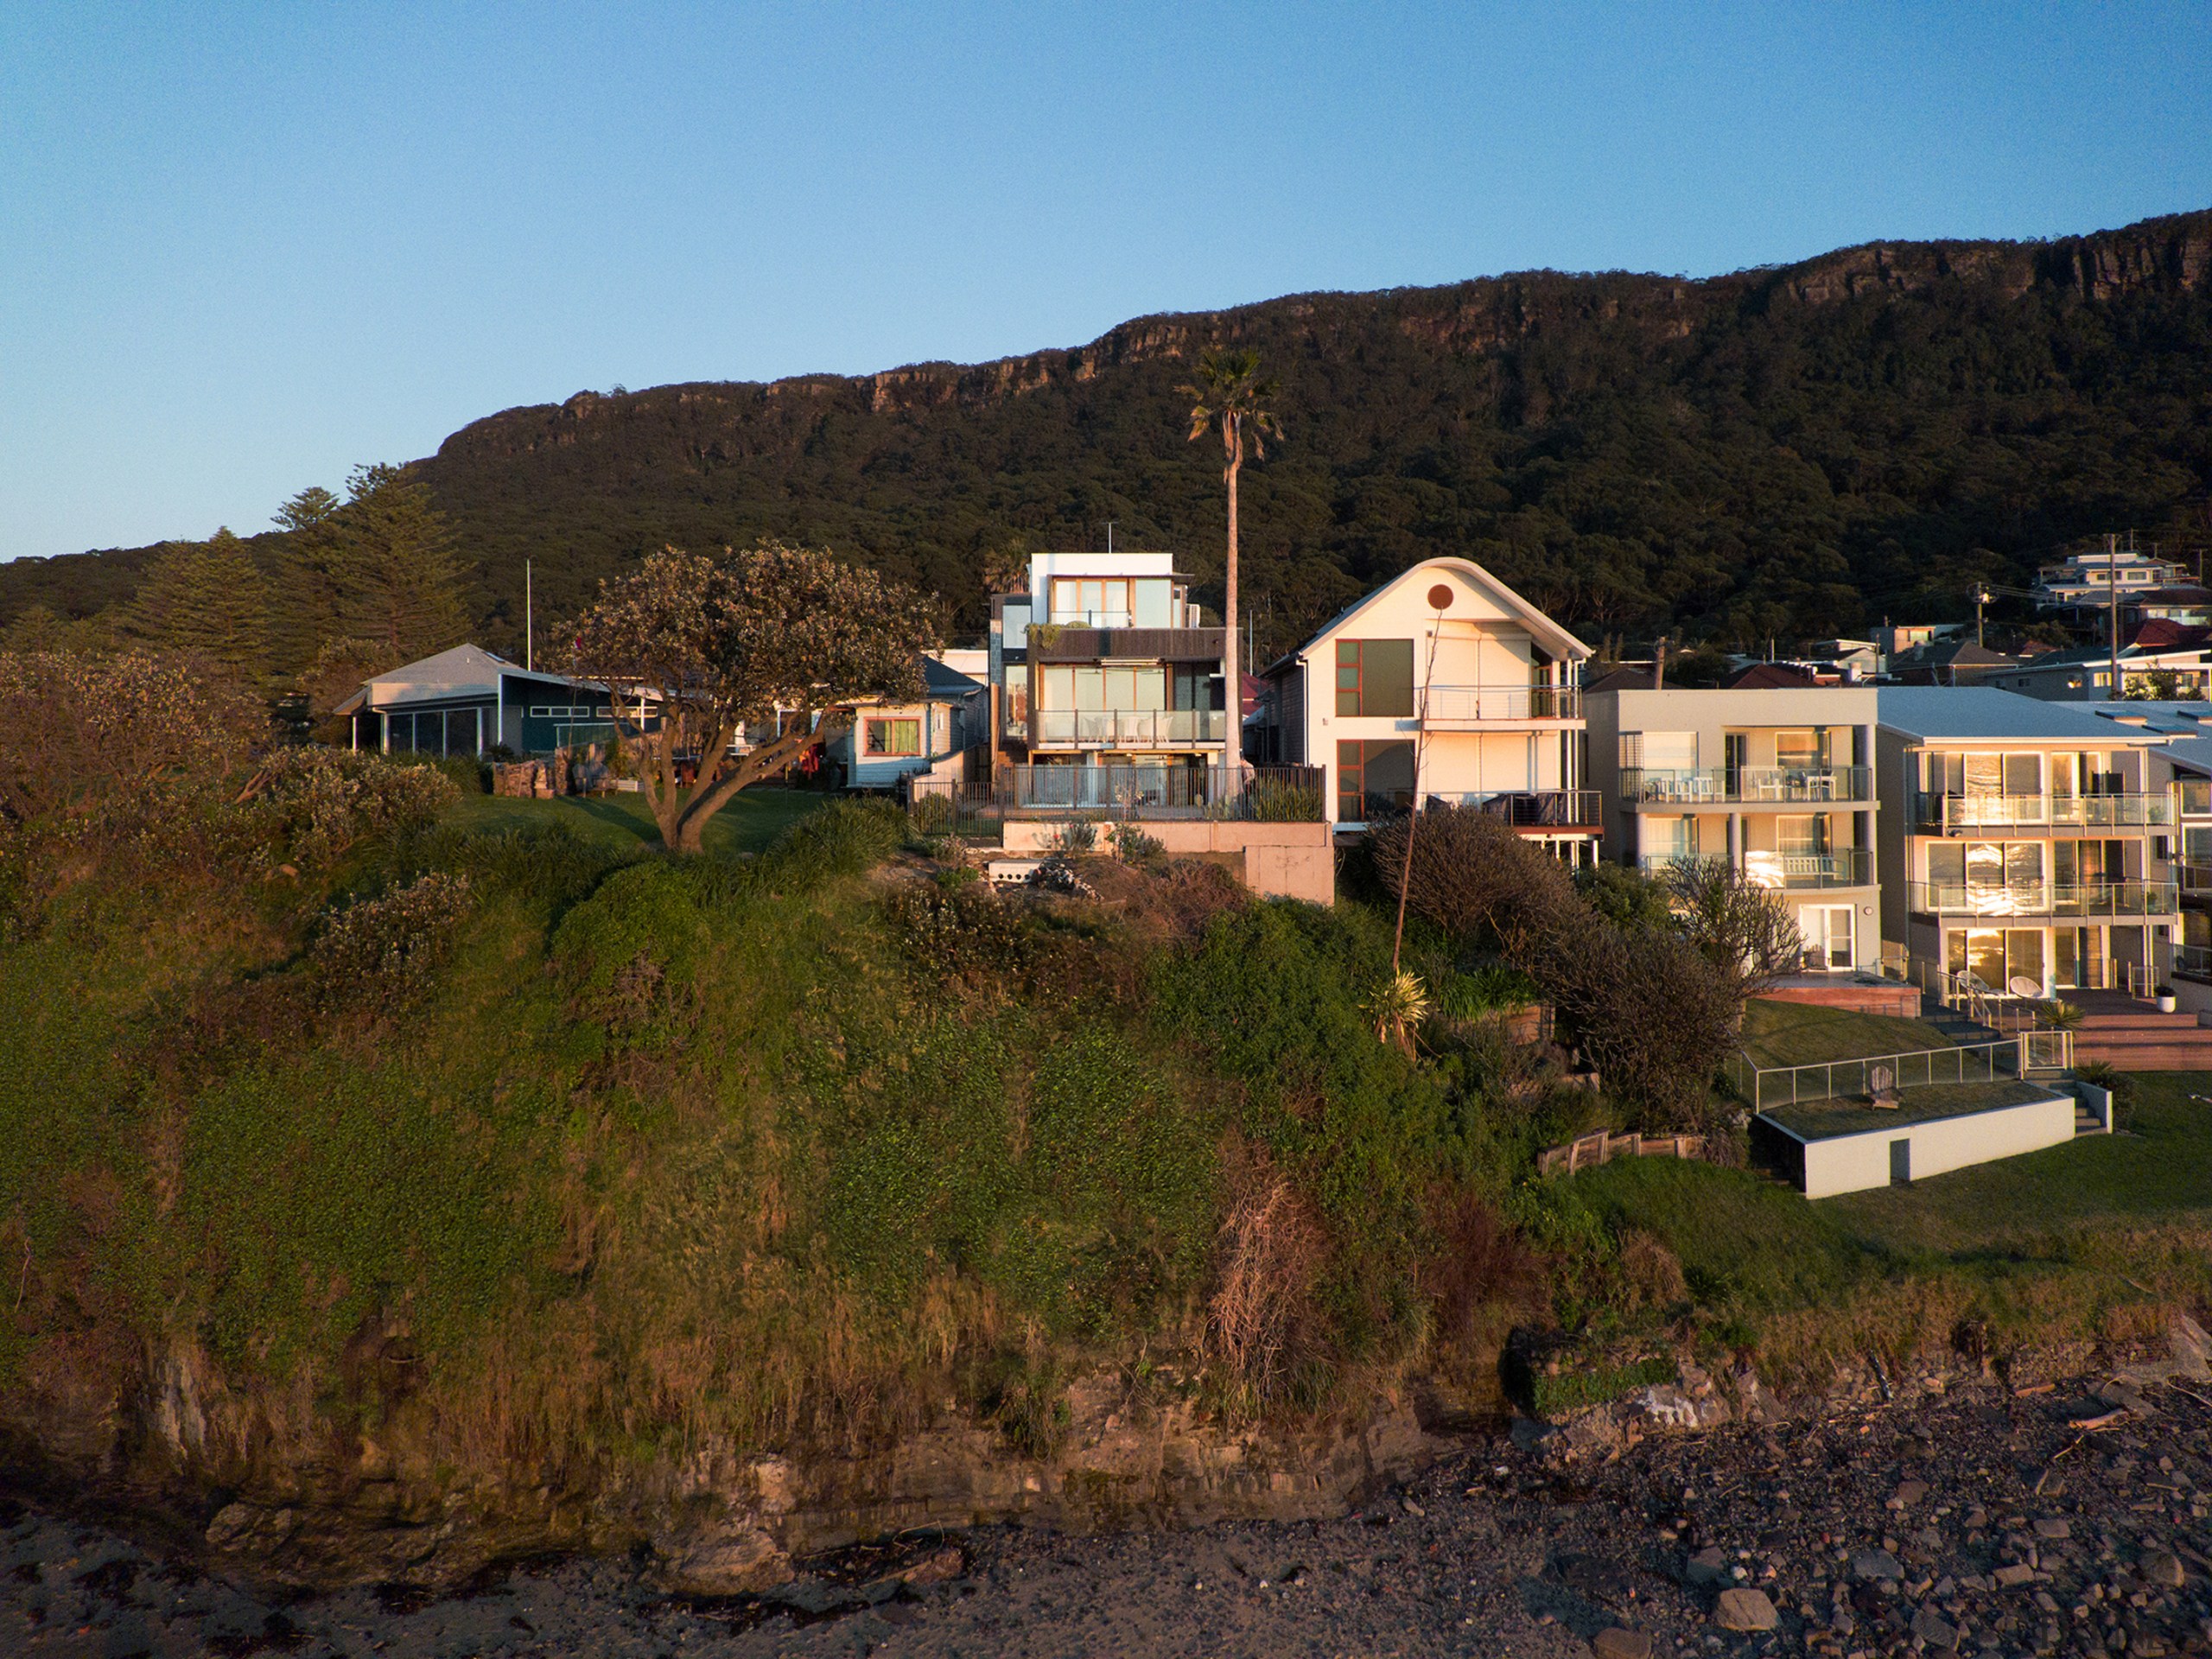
(1982, 713)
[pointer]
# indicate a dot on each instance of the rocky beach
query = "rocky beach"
(2070, 1518)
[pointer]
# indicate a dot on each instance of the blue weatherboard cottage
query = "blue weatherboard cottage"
(466, 702)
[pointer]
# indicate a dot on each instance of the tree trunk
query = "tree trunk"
(1232, 679)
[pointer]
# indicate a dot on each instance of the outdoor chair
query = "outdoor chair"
(1882, 1088)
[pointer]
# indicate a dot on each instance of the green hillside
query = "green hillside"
(1792, 451)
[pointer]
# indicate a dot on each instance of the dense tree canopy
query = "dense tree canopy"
(1791, 451)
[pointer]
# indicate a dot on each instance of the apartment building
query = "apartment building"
(1778, 782)
(1443, 684)
(1108, 688)
(2025, 843)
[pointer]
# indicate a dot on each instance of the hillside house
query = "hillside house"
(1778, 781)
(466, 702)
(1443, 684)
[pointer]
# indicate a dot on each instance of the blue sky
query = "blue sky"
(243, 248)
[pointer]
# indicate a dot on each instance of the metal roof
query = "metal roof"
(1975, 712)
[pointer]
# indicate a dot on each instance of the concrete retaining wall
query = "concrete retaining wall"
(1853, 1163)
(1279, 860)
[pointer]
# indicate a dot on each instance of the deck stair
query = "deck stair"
(2134, 1036)
(2086, 1122)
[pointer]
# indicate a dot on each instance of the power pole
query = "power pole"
(529, 622)
(1980, 598)
(2112, 602)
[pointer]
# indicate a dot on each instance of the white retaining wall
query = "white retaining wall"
(1853, 1163)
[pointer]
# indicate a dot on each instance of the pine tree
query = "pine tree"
(399, 581)
(309, 586)
(208, 600)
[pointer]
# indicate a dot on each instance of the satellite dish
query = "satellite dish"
(1440, 597)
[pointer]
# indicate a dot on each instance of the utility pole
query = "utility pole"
(1980, 598)
(529, 622)
(2112, 604)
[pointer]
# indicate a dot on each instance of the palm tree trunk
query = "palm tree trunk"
(1232, 680)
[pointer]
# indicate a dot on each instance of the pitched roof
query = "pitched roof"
(464, 670)
(1554, 638)
(1770, 677)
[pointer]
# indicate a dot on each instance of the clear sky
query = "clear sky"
(242, 247)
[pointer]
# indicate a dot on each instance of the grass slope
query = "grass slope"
(1803, 1034)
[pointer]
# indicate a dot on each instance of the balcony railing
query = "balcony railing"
(1533, 807)
(1124, 641)
(1747, 786)
(2043, 898)
(1281, 794)
(1450, 706)
(1946, 814)
(1852, 866)
(1123, 728)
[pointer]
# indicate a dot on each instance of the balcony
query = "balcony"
(1946, 815)
(1853, 867)
(2096, 899)
(1461, 708)
(1747, 786)
(1119, 641)
(1126, 728)
(1535, 809)
(1275, 794)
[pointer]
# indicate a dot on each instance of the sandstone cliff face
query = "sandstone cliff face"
(2170, 255)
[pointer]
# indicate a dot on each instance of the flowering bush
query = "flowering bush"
(308, 807)
(392, 943)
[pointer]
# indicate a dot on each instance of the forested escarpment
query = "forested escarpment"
(1790, 451)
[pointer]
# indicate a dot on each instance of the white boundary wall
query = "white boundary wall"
(1853, 1163)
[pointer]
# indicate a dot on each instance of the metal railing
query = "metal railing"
(1278, 794)
(1747, 786)
(1529, 807)
(2042, 898)
(1128, 727)
(1946, 814)
(1763, 1086)
(1467, 705)
(1851, 867)
(2193, 961)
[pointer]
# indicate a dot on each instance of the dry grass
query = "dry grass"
(1270, 1253)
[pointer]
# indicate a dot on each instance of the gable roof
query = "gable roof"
(1554, 637)
(464, 670)
(1770, 677)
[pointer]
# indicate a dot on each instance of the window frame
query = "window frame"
(1352, 655)
(872, 724)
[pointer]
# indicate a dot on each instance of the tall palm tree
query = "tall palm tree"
(1231, 395)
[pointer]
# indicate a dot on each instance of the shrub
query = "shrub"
(308, 807)
(390, 946)
(1133, 846)
(1270, 799)
(1074, 838)
(1261, 1320)
(962, 930)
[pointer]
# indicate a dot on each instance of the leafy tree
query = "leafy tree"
(1741, 928)
(714, 641)
(394, 564)
(1231, 395)
(207, 600)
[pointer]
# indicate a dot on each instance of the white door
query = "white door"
(1825, 930)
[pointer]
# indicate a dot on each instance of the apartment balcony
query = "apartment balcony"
(1116, 639)
(2053, 898)
(1853, 867)
(1747, 786)
(1469, 708)
(2194, 881)
(1950, 815)
(1534, 808)
(1126, 728)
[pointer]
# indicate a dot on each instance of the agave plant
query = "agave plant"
(1398, 1006)
(2059, 1014)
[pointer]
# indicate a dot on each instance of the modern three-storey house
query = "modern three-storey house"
(2029, 844)
(1778, 782)
(1443, 684)
(1107, 683)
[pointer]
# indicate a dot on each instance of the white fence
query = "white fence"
(2006, 1056)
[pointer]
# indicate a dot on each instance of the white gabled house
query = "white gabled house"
(1447, 672)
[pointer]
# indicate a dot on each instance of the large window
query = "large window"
(1373, 780)
(891, 737)
(1112, 601)
(1374, 677)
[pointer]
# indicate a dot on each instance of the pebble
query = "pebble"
(2053, 1529)
(1744, 1609)
(1875, 1564)
(1618, 1644)
(2164, 1569)
(1928, 1627)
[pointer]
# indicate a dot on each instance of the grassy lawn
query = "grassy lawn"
(1818, 1120)
(1801, 1033)
(2056, 1240)
(747, 824)
(2157, 1167)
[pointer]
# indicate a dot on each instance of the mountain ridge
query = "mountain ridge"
(1784, 449)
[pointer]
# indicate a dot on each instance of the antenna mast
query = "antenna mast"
(2112, 604)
